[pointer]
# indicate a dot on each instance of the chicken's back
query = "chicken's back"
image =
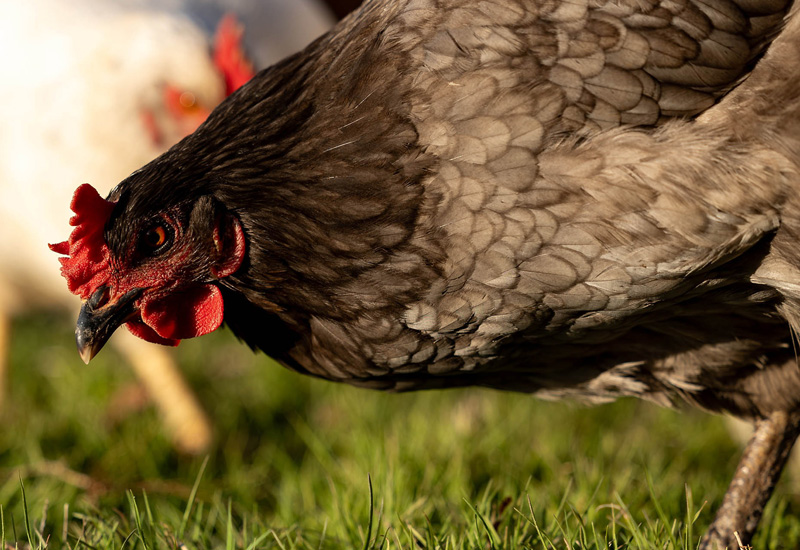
(550, 216)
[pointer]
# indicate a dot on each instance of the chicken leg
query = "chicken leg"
(759, 469)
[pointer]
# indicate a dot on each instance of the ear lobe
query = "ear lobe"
(230, 244)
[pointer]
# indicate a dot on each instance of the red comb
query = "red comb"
(86, 266)
(229, 55)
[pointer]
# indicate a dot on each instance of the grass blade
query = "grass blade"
(25, 516)
(192, 496)
(137, 518)
(229, 544)
(371, 512)
(660, 511)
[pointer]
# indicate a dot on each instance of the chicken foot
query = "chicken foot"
(756, 475)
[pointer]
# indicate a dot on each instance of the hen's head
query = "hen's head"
(177, 110)
(156, 272)
(157, 276)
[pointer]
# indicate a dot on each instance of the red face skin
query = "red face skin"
(181, 105)
(156, 299)
(185, 113)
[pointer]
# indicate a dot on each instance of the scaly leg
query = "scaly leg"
(185, 420)
(758, 471)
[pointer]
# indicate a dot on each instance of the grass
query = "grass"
(306, 464)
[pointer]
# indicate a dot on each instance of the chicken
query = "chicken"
(571, 199)
(80, 104)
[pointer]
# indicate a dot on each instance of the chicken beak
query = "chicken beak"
(99, 318)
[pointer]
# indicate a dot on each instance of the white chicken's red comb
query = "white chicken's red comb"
(86, 265)
(229, 55)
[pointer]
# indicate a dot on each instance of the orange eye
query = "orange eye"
(188, 102)
(155, 236)
(156, 239)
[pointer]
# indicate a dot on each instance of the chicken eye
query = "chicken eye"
(156, 238)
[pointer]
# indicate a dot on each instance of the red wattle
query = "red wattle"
(184, 314)
(139, 329)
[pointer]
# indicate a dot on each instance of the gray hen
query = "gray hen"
(575, 199)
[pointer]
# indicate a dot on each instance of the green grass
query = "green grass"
(294, 458)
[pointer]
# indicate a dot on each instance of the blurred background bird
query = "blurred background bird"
(94, 89)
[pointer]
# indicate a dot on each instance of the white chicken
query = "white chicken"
(95, 90)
